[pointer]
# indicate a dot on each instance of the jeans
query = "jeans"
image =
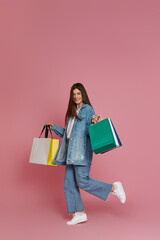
(77, 176)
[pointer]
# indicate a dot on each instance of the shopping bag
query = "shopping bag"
(103, 136)
(45, 149)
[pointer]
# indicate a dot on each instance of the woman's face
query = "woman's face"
(77, 96)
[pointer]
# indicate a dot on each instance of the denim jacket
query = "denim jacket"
(79, 150)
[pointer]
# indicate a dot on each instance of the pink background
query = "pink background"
(112, 47)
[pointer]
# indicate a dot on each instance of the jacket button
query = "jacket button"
(71, 139)
(69, 154)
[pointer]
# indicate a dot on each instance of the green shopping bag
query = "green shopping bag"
(103, 136)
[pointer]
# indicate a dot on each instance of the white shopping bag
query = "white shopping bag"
(44, 150)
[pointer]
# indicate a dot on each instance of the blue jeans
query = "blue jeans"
(77, 176)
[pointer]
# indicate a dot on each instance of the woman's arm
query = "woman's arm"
(89, 119)
(92, 118)
(59, 131)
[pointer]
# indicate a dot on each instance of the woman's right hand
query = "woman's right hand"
(49, 125)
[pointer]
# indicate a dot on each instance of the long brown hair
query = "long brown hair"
(72, 105)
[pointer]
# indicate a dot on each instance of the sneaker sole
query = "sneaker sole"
(77, 222)
(121, 187)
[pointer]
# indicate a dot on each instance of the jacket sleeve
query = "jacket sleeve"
(89, 118)
(59, 131)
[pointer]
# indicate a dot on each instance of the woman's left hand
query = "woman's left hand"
(96, 118)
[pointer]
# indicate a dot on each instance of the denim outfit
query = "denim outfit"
(79, 150)
(77, 170)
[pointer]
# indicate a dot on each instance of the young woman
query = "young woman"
(76, 154)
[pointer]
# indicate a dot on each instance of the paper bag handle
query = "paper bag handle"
(46, 131)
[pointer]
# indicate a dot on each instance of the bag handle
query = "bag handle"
(50, 132)
(46, 131)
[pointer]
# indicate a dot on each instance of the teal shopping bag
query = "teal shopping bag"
(103, 136)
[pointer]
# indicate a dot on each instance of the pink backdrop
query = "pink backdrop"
(112, 47)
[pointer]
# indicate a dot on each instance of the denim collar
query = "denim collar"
(83, 105)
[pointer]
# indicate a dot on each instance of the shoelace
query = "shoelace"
(115, 191)
(74, 214)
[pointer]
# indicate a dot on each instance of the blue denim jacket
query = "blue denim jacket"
(79, 150)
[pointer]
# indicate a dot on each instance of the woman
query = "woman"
(76, 154)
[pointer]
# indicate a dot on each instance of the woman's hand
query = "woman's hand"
(96, 118)
(49, 125)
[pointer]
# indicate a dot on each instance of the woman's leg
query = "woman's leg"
(90, 185)
(71, 190)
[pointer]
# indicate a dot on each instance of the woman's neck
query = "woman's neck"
(79, 105)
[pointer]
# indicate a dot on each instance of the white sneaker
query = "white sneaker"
(119, 191)
(78, 218)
